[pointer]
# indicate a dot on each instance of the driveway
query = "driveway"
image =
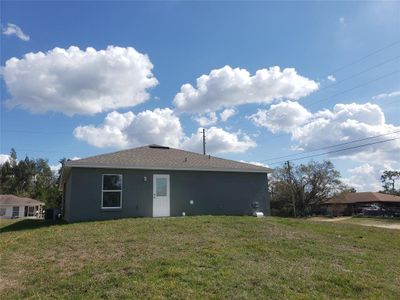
(381, 223)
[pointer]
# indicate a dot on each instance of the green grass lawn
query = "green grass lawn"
(198, 257)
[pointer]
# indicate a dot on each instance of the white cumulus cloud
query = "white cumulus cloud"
(4, 158)
(348, 122)
(12, 29)
(219, 141)
(386, 95)
(227, 113)
(366, 177)
(118, 130)
(160, 126)
(331, 78)
(207, 119)
(344, 123)
(284, 116)
(228, 87)
(74, 81)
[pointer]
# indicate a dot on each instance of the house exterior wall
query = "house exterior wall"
(338, 209)
(216, 193)
(21, 211)
(9, 210)
(8, 213)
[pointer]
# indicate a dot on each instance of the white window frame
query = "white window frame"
(102, 192)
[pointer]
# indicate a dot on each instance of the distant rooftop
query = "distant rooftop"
(18, 201)
(362, 198)
(165, 158)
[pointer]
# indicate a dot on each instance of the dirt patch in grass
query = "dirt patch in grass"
(373, 222)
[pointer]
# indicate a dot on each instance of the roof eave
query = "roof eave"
(100, 166)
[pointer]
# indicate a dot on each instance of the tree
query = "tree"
(7, 174)
(62, 162)
(6, 178)
(30, 178)
(388, 180)
(300, 189)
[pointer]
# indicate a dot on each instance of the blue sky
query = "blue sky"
(185, 40)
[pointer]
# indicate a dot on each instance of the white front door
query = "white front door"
(160, 195)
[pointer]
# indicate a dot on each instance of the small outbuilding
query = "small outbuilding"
(12, 207)
(158, 181)
(362, 203)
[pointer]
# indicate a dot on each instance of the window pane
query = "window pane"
(111, 199)
(112, 182)
(2, 211)
(161, 186)
(31, 211)
(15, 212)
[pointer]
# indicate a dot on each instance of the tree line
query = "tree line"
(31, 178)
(388, 179)
(296, 190)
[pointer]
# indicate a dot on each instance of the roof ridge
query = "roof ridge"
(212, 156)
(165, 157)
(110, 153)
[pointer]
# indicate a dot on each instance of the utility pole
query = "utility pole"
(204, 141)
(393, 189)
(291, 188)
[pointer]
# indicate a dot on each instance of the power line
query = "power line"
(364, 57)
(334, 151)
(353, 88)
(332, 146)
(337, 94)
(361, 72)
(323, 88)
(312, 104)
(336, 83)
(395, 100)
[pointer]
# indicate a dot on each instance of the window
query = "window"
(161, 186)
(112, 191)
(31, 211)
(15, 212)
(2, 211)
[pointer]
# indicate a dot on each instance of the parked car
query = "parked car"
(372, 210)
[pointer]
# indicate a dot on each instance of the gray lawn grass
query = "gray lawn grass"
(198, 257)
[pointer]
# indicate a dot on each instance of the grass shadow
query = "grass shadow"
(28, 224)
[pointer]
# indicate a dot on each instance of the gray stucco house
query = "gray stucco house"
(157, 181)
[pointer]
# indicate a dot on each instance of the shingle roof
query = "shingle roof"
(165, 158)
(363, 197)
(18, 201)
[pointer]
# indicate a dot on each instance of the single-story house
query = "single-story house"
(19, 207)
(355, 203)
(158, 181)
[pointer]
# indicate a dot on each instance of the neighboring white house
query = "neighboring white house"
(19, 207)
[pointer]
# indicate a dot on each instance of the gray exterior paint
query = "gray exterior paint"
(214, 193)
